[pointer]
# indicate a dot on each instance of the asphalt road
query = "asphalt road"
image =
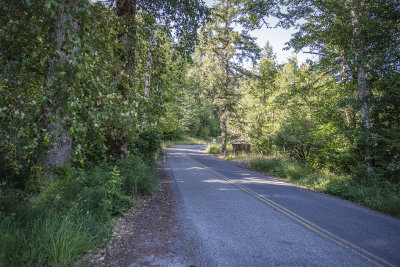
(237, 217)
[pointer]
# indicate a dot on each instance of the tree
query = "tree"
(143, 25)
(360, 37)
(65, 31)
(222, 52)
(255, 116)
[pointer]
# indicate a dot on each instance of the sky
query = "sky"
(277, 39)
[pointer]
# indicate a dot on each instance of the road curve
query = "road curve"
(238, 217)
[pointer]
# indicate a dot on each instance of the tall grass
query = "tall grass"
(214, 148)
(376, 194)
(50, 238)
(71, 214)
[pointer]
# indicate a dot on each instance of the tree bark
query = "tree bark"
(148, 79)
(55, 113)
(348, 109)
(226, 105)
(223, 134)
(364, 91)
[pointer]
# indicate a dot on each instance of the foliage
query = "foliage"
(298, 138)
(139, 178)
(187, 140)
(76, 130)
(69, 215)
(376, 194)
(363, 57)
(148, 142)
(221, 53)
(213, 149)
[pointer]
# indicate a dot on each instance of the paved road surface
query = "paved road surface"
(237, 217)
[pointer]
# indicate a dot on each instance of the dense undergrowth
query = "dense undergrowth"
(59, 220)
(377, 194)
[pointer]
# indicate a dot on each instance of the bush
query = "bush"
(71, 214)
(213, 148)
(290, 170)
(46, 237)
(297, 137)
(139, 178)
(148, 142)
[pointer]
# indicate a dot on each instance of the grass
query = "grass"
(185, 141)
(213, 148)
(376, 194)
(47, 238)
(71, 214)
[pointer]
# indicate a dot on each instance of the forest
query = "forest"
(91, 90)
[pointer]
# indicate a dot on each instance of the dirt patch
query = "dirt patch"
(149, 235)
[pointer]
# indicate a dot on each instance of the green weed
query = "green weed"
(139, 177)
(45, 238)
(214, 148)
(71, 214)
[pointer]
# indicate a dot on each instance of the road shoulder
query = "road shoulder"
(150, 234)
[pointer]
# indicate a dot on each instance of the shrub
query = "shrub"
(148, 142)
(298, 138)
(213, 149)
(139, 178)
(71, 214)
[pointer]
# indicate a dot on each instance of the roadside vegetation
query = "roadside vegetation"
(215, 148)
(186, 140)
(57, 221)
(89, 91)
(375, 194)
(85, 91)
(332, 123)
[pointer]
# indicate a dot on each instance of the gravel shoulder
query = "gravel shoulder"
(150, 235)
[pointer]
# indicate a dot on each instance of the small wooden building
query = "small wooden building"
(240, 146)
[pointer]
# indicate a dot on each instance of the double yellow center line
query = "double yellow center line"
(313, 227)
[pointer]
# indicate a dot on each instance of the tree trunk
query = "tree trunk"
(148, 79)
(348, 109)
(55, 112)
(226, 106)
(126, 9)
(364, 92)
(223, 134)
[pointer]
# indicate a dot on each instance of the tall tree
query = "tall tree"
(359, 36)
(65, 31)
(256, 113)
(223, 51)
(142, 20)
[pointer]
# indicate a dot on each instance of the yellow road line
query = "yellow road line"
(315, 228)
